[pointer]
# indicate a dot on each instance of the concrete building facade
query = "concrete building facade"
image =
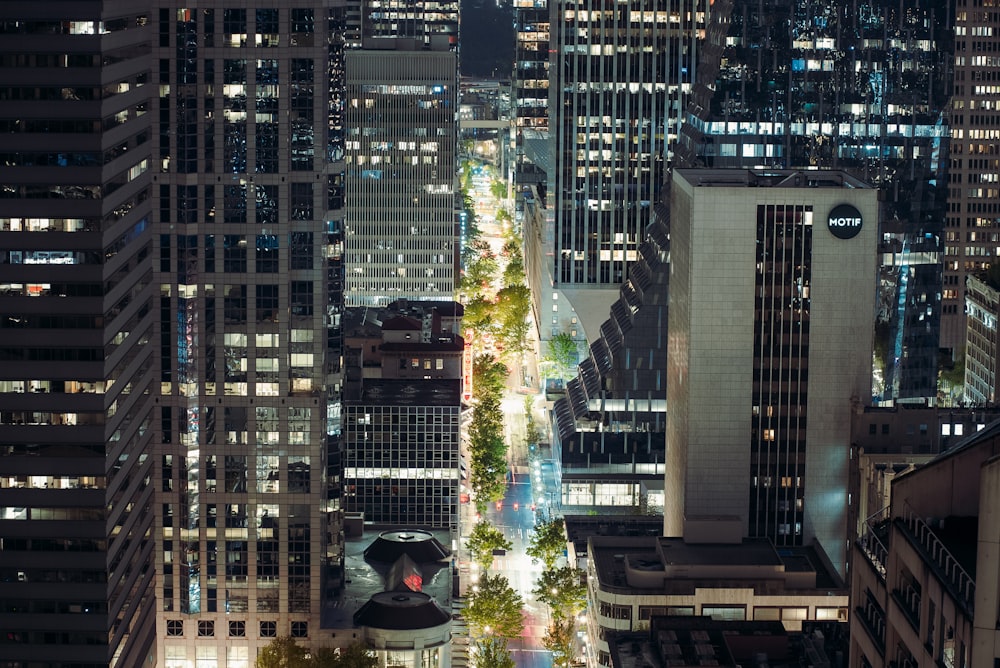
(924, 584)
(982, 309)
(771, 313)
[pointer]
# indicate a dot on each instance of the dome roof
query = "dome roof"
(420, 546)
(401, 611)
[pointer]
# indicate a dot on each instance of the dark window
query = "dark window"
(268, 630)
(267, 254)
(175, 627)
(237, 629)
(300, 629)
(206, 628)
(267, 302)
(302, 201)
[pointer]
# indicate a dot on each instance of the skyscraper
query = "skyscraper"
(248, 141)
(401, 234)
(401, 238)
(77, 376)
(530, 75)
(971, 237)
(807, 85)
(772, 293)
(618, 81)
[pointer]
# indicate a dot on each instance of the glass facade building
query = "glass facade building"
(248, 175)
(77, 317)
(858, 88)
(971, 236)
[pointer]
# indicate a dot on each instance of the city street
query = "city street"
(530, 488)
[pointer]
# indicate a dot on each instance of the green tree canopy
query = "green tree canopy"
(352, 656)
(489, 376)
(481, 267)
(483, 539)
(548, 542)
(498, 189)
(559, 640)
(563, 355)
(282, 652)
(492, 652)
(563, 590)
(495, 609)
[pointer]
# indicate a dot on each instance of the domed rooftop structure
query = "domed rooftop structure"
(401, 611)
(420, 546)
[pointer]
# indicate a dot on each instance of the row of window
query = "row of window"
(237, 629)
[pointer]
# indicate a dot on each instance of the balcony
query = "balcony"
(943, 563)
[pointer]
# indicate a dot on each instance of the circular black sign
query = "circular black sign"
(844, 221)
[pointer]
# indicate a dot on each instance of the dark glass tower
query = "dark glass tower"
(249, 183)
(77, 381)
(860, 87)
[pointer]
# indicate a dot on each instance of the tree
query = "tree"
(562, 589)
(282, 652)
(513, 305)
(498, 189)
(492, 652)
(548, 542)
(483, 540)
(356, 655)
(495, 608)
(563, 354)
(481, 266)
(559, 640)
(489, 376)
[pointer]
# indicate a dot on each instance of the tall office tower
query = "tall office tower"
(972, 234)
(249, 179)
(530, 80)
(619, 76)
(429, 24)
(76, 375)
(402, 120)
(772, 292)
(861, 91)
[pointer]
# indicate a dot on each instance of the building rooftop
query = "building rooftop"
(365, 578)
(703, 641)
(633, 564)
(580, 528)
(769, 178)
(406, 392)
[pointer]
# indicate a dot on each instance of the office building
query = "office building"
(924, 585)
(806, 85)
(772, 292)
(618, 80)
(530, 82)
(402, 402)
(971, 239)
(982, 307)
(77, 313)
(248, 178)
(608, 431)
(401, 106)
(632, 580)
